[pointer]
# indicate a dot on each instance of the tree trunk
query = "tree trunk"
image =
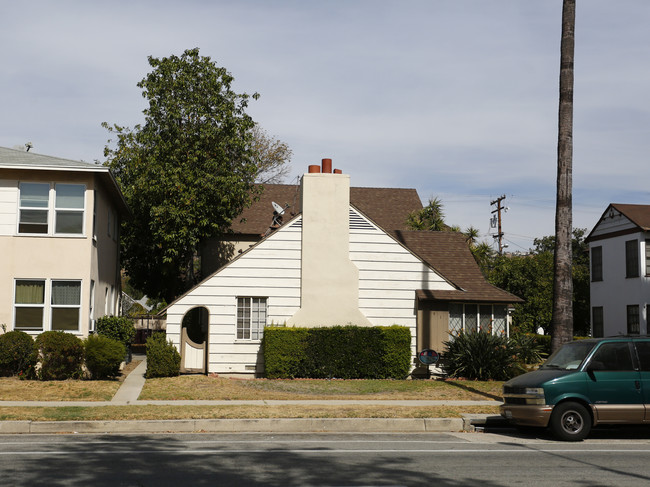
(562, 320)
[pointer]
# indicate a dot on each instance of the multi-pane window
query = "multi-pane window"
(470, 318)
(34, 204)
(68, 203)
(632, 258)
(32, 312)
(597, 321)
(251, 318)
(69, 208)
(29, 303)
(633, 327)
(66, 303)
(647, 257)
(596, 263)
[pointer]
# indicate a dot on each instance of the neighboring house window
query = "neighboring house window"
(468, 317)
(69, 207)
(66, 305)
(106, 302)
(251, 318)
(632, 258)
(647, 257)
(597, 321)
(91, 307)
(29, 304)
(596, 263)
(34, 204)
(95, 215)
(633, 327)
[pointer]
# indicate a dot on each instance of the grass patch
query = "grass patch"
(14, 389)
(199, 387)
(133, 413)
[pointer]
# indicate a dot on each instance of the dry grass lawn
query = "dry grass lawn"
(14, 389)
(233, 412)
(199, 387)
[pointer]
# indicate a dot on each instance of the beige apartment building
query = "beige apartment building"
(59, 243)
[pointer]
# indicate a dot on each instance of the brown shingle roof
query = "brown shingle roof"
(637, 214)
(449, 255)
(387, 207)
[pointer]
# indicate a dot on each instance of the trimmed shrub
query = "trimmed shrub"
(284, 351)
(18, 354)
(119, 328)
(343, 352)
(103, 356)
(163, 360)
(61, 355)
(480, 356)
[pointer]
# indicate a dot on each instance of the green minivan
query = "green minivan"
(583, 384)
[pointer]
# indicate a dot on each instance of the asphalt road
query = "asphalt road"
(441, 459)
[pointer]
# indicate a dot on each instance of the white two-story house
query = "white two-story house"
(59, 243)
(619, 249)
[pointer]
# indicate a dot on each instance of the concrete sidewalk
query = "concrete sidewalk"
(131, 388)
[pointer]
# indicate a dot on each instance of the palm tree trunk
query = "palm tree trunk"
(562, 320)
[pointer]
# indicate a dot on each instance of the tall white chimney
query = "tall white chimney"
(329, 279)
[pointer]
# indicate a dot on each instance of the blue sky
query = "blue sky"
(456, 98)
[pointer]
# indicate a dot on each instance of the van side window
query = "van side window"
(643, 349)
(613, 356)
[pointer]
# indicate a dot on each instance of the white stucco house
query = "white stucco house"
(329, 263)
(59, 243)
(619, 249)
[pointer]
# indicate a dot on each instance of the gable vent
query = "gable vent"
(357, 222)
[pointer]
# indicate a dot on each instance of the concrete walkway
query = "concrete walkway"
(130, 390)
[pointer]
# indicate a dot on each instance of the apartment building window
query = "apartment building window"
(58, 300)
(596, 263)
(66, 305)
(29, 304)
(69, 208)
(633, 327)
(632, 258)
(33, 211)
(597, 321)
(68, 204)
(251, 318)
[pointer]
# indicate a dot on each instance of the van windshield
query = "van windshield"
(570, 356)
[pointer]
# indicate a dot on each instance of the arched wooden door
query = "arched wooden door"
(194, 341)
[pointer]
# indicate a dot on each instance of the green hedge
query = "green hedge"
(18, 354)
(342, 352)
(119, 328)
(163, 360)
(103, 356)
(61, 355)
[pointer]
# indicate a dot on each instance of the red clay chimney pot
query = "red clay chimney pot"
(314, 168)
(327, 166)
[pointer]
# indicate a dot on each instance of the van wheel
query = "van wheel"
(570, 421)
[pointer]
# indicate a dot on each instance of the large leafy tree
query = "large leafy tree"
(271, 157)
(185, 173)
(530, 277)
(562, 330)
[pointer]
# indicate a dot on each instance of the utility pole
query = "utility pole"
(499, 234)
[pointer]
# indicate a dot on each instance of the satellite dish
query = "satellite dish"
(277, 208)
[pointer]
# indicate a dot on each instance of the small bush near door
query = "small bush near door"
(103, 356)
(163, 360)
(18, 354)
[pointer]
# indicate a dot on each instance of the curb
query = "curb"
(264, 425)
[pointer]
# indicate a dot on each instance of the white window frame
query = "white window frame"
(47, 305)
(33, 305)
(250, 326)
(77, 306)
(478, 318)
(52, 210)
(46, 209)
(91, 307)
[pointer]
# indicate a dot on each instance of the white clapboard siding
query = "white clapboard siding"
(8, 206)
(608, 225)
(271, 270)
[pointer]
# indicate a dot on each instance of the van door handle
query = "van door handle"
(637, 384)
